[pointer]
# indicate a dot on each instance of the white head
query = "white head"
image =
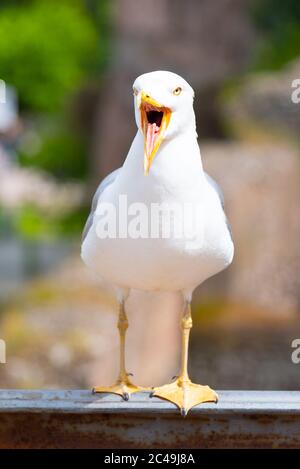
(163, 109)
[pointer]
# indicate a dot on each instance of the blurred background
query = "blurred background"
(68, 68)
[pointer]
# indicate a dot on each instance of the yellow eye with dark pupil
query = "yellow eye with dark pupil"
(177, 91)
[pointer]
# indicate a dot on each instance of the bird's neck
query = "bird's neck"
(180, 153)
(177, 166)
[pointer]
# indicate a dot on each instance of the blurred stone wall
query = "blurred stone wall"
(261, 184)
(263, 102)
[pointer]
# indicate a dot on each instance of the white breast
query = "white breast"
(176, 177)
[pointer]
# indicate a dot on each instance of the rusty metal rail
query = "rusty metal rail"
(78, 419)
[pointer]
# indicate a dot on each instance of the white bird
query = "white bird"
(162, 172)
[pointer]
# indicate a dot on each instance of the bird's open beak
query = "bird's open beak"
(155, 119)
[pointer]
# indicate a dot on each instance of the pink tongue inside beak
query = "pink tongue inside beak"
(151, 137)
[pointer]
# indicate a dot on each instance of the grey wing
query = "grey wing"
(101, 188)
(219, 191)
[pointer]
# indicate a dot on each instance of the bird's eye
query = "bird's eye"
(177, 91)
(135, 91)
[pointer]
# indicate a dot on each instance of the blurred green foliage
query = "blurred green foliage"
(62, 153)
(46, 49)
(31, 223)
(279, 24)
(49, 51)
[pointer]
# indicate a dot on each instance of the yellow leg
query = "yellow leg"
(183, 392)
(123, 386)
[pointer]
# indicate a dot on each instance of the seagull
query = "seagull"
(162, 180)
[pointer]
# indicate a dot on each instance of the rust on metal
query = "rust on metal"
(79, 419)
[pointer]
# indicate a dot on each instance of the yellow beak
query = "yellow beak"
(153, 132)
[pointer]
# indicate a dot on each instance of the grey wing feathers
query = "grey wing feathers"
(107, 181)
(218, 190)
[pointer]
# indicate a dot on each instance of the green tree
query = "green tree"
(279, 24)
(46, 49)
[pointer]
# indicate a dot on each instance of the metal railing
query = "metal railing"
(79, 419)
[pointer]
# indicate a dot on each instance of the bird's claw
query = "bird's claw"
(123, 388)
(183, 412)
